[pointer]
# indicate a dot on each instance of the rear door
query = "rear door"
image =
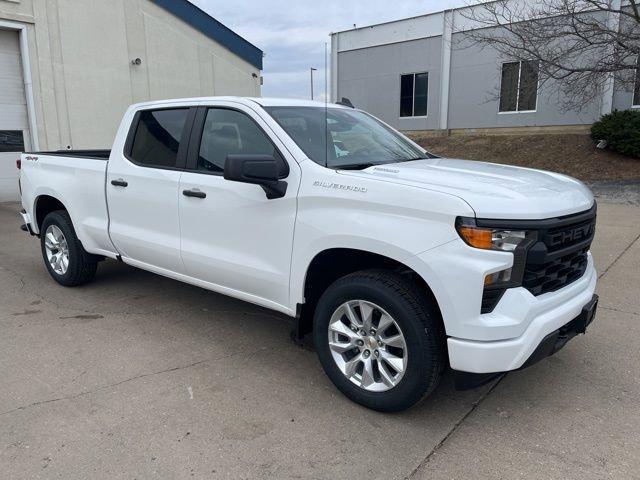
(142, 188)
(233, 236)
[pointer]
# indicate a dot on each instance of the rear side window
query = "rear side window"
(229, 132)
(157, 138)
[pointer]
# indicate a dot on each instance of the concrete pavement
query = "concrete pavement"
(139, 376)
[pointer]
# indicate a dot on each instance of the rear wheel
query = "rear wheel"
(379, 339)
(64, 257)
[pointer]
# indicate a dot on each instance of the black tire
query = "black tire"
(417, 317)
(82, 265)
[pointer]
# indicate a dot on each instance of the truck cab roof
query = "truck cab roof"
(264, 102)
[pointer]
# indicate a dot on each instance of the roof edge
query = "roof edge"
(398, 20)
(212, 28)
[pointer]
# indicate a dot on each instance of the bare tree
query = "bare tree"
(581, 46)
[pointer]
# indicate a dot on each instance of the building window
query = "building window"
(414, 93)
(11, 141)
(519, 86)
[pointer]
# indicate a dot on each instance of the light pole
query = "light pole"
(311, 71)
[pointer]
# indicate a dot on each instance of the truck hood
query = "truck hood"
(492, 190)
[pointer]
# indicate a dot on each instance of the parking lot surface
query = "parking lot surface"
(139, 376)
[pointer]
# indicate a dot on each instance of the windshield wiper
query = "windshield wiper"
(363, 165)
(355, 166)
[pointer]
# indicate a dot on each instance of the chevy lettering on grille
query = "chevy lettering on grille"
(571, 235)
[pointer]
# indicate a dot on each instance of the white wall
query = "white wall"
(83, 79)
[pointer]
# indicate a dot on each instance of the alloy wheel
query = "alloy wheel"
(57, 249)
(367, 345)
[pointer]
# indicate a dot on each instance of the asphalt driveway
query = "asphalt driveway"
(139, 376)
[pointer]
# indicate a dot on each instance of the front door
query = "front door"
(142, 189)
(233, 236)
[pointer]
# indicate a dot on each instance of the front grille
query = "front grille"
(559, 257)
(554, 254)
(553, 275)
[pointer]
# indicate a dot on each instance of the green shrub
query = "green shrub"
(621, 130)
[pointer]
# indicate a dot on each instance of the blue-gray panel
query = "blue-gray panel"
(212, 28)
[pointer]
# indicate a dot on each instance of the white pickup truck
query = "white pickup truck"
(400, 263)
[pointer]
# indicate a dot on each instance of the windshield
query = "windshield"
(355, 139)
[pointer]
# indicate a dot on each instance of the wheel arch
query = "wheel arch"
(45, 204)
(343, 261)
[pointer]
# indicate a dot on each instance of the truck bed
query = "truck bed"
(98, 154)
(76, 178)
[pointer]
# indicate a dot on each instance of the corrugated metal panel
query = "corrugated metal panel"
(13, 111)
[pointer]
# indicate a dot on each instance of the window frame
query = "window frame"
(195, 141)
(636, 85)
(181, 156)
(413, 95)
(511, 112)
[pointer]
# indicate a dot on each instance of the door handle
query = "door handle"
(194, 193)
(119, 183)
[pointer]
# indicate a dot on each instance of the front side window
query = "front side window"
(344, 138)
(157, 138)
(519, 86)
(229, 132)
(414, 93)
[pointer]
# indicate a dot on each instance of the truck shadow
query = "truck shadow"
(207, 312)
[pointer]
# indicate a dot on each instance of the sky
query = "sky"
(292, 33)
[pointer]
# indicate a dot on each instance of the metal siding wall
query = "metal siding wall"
(370, 78)
(83, 79)
(475, 81)
(96, 69)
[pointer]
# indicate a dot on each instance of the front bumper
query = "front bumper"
(551, 312)
(549, 345)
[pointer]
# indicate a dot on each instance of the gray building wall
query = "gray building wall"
(369, 62)
(474, 89)
(370, 78)
(623, 94)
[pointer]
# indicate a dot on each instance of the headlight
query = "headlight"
(491, 239)
(501, 239)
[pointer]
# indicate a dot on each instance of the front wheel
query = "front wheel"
(64, 257)
(379, 339)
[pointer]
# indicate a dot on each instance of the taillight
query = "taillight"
(19, 164)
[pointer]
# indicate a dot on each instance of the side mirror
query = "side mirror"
(263, 170)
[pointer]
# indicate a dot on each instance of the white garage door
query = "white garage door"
(14, 130)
